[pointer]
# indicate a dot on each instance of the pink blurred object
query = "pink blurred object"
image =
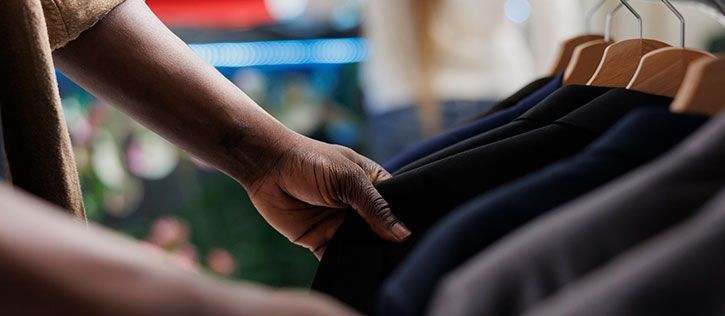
(180, 260)
(97, 114)
(221, 262)
(187, 251)
(135, 156)
(169, 233)
(82, 132)
(185, 264)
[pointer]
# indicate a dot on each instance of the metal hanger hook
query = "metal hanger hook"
(636, 15)
(679, 17)
(591, 12)
(608, 25)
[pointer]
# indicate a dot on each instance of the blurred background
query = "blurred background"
(374, 75)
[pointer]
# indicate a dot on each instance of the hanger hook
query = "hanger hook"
(679, 17)
(591, 12)
(608, 25)
(636, 15)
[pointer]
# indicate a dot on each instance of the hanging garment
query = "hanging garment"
(422, 196)
(389, 132)
(555, 250)
(637, 139)
(562, 102)
(485, 124)
(678, 273)
(513, 99)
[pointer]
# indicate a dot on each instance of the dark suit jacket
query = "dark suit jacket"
(639, 138)
(356, 261)
(554, 107)
(513, 99)
(466, 131)
(576, 239)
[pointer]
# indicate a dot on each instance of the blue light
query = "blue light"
(517, 11)
(293, 52)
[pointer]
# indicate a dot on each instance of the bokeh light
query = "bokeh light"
(286, 10)
(292, 52)
(517, 11)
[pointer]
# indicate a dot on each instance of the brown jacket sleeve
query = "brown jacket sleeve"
(67, 19)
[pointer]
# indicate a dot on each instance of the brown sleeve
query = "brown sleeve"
(67, 19)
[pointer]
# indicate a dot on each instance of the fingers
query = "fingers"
(322, 231)
(319, 252)
(367, 201)
(375, 172)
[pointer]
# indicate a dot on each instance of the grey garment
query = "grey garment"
(392, 132)
(680, 272)
(573, 240)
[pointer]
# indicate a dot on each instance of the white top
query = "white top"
(481, 53)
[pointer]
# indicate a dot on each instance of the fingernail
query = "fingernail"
(400, 231)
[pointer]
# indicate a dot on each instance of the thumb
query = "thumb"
(370, 205)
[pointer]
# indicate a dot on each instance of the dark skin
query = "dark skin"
(51, 265)
(302, 187)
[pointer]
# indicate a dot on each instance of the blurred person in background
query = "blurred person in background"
(436, 62)
(119, 51)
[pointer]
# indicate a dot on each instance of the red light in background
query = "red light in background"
(234, 14)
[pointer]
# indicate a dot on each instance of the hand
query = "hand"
(308, 188)
(300, 186)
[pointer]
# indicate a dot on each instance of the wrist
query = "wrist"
(253, 153)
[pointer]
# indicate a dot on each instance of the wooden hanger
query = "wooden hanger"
(621, 59)
(703, 89)
(662, 71)
(584, 62)
(567, 50)
(586, 57)
(620, 62)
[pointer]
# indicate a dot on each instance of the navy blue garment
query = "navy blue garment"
(512, 100)
(484, 124)
(639, 138)
(356, 261)
(558, 104)
(388, 133)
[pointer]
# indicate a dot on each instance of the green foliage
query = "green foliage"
(221, 215)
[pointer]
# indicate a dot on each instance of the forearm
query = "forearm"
(49, 264)
(132, 61)
(301, 187)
